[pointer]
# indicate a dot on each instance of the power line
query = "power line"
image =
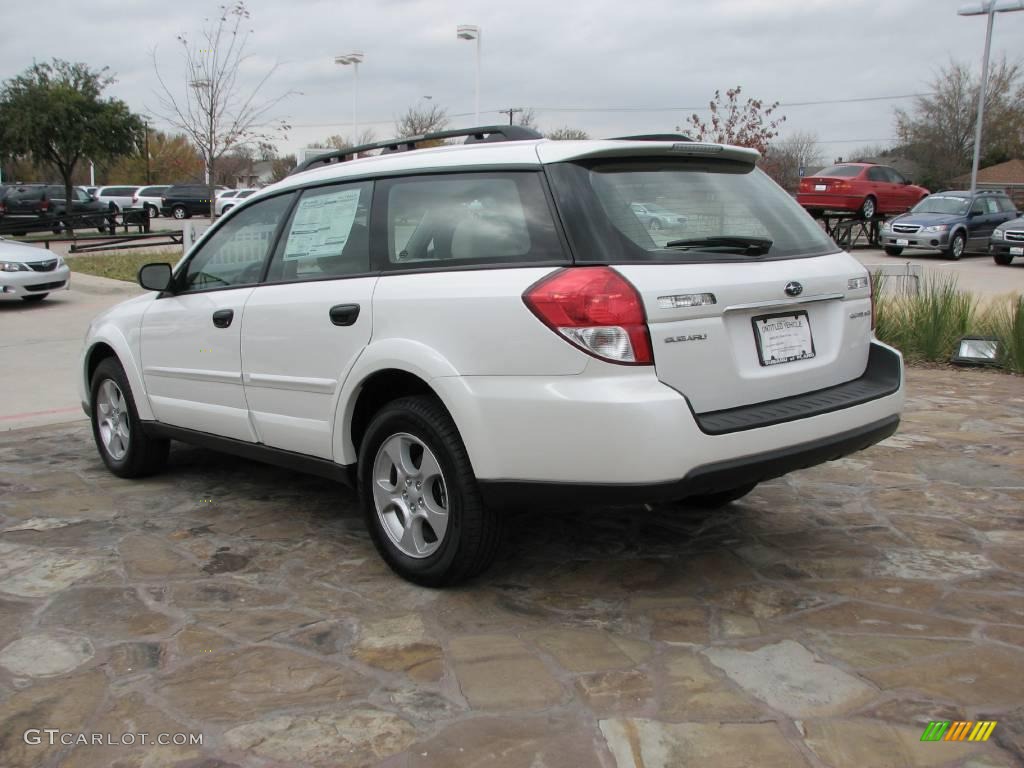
(703, 108)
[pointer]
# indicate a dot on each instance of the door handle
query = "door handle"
(222, 317)
(344, 314)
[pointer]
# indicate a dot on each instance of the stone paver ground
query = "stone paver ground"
(822, 621)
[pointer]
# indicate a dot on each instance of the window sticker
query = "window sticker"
(322, 225)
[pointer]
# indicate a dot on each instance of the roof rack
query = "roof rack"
(473, 136)
(654, 137)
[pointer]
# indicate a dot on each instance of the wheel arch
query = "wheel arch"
(385, 371)
(110, 343)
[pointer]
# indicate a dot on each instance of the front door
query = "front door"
(191, 337)
(304, 328)
(881, 188)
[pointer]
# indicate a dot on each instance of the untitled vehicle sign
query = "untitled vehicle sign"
(958, 730)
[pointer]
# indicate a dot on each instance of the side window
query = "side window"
(328, 235)
(236, 252)
(895, 176)
(82, 195)
(877, 174)
(991, 205)
(1006, 205)
(468, 219)
(978, 206)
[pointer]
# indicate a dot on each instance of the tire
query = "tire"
(893, 250)
(138, 455)
(720, 499)
(868, 208)
(1002, 259)
(409, 542)
(957, 246)
(35, 297)
(179, 212)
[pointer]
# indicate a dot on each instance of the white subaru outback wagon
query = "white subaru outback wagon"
(456, 329)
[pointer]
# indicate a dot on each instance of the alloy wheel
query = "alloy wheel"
(112, 416)
(410, 495)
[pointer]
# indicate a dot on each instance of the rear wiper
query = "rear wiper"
(752, 246)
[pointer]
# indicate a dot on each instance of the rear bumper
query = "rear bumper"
(704, 479)
(608, 428)
(830, 202)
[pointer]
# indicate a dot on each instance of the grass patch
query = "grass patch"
(117, 266)
(927, 326)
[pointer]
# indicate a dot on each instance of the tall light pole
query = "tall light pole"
(473, 32)
(200, 86)
(985, 8)
(354, 59)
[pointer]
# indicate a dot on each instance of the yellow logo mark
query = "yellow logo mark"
(962, 729)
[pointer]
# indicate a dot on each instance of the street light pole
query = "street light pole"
(354, 59)
(985, 8)
(473, 32)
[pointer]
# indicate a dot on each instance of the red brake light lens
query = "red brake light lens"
(595, 309)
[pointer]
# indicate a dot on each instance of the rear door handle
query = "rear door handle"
(222, 317)
(344, 314)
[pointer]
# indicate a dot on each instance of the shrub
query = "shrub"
(1005, 321)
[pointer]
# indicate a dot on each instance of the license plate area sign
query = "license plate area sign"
(783, 337)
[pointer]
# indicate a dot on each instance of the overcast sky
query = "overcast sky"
(543, 54)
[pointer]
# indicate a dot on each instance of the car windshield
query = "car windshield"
(943, 204)
(721, 208)
(841, 170)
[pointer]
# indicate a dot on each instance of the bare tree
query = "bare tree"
(785, 159)
(938, 132)
(418, 120)
(528, 119)
(218, 111)
(565, 133)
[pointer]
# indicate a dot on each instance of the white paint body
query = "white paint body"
(529, 405)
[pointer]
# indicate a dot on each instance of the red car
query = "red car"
(865, 188)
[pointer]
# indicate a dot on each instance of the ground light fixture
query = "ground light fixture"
(985, 8)
(355, 59)
(977, 350)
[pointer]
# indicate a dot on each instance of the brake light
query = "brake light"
(840, 185)
(595, 309)
(135, 198)
(44, 205)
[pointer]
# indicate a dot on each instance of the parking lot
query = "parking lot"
(823, 621)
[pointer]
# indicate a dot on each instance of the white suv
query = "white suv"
(461, 328)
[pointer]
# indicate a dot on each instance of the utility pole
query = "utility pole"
(510, 111)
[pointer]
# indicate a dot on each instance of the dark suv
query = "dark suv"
(26, 207)
(953, 222)
(184, 200)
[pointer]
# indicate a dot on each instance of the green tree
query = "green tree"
(55, 114)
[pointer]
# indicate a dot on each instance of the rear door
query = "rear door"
(882, 188)
(191, 338)
(306, 325)
(730, 325)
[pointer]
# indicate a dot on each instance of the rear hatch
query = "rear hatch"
(749, 301)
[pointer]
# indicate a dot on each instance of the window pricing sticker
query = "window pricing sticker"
(322, 224)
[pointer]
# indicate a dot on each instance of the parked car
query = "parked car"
(37, 206)
(1007, 242)
(185, 200)
(150, 199)
(864, 188)
(31, 273)
(230, 199)
(92, 191)
(657, 217)
(500, 334)
(118, 197)
(955, 222)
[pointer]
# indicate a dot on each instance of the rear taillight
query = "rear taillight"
(135, 199)
(44, 205)
(597, 310)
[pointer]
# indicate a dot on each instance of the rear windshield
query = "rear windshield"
(943, 204)
(841, 170)
(697, 201)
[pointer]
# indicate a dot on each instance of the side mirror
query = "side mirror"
(155, 277)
